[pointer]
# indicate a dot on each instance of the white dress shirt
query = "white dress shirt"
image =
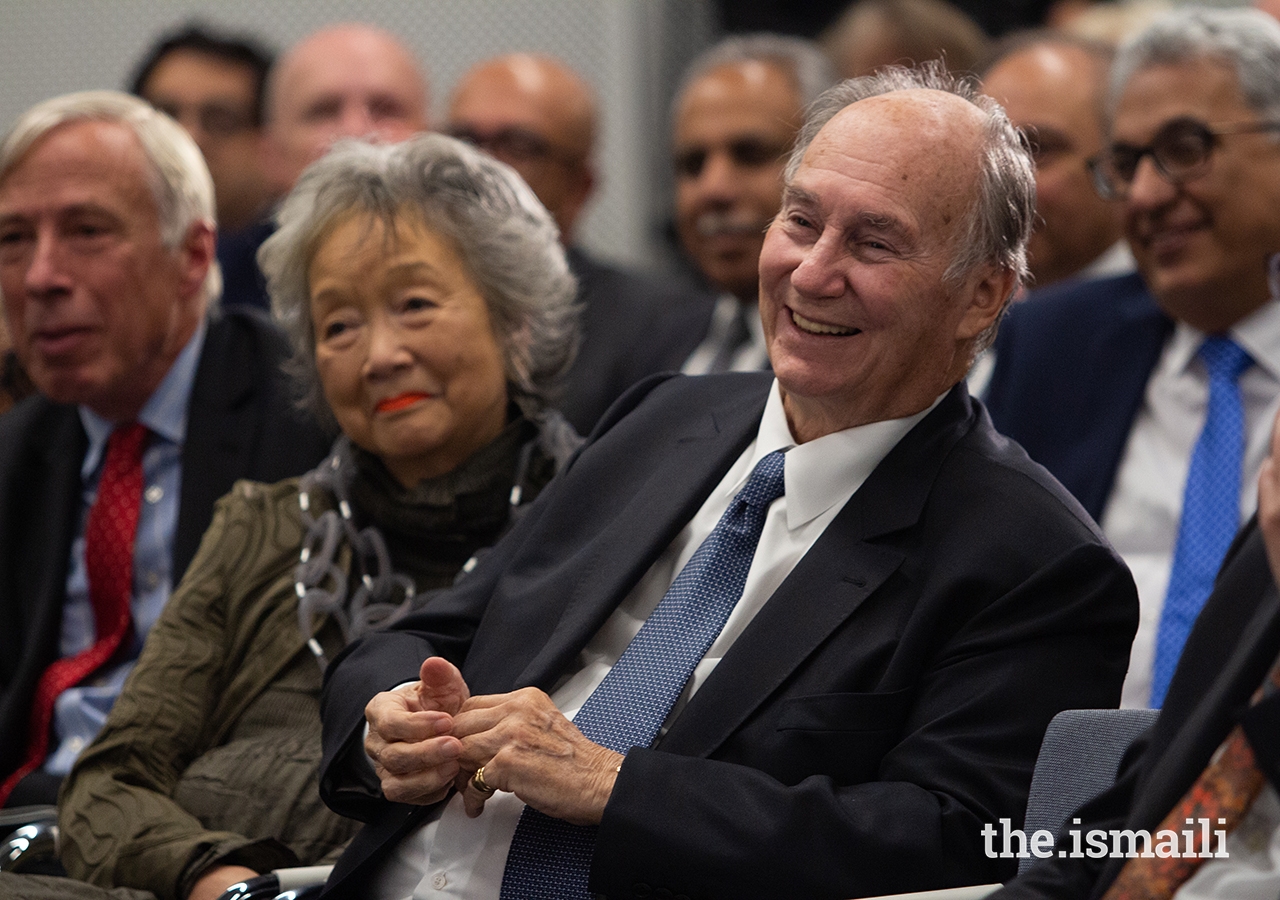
(1141, 515)
(456, 857)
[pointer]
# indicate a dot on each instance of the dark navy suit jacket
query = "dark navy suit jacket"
(886, 701)
(1072, 364)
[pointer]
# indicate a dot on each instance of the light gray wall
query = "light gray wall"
(630, 50)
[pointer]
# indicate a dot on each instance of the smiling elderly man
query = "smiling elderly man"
(768, 635)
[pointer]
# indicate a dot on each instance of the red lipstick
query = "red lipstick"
(400, 401)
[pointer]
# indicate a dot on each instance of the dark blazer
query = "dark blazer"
(633, 326)
(240, 424)
(1072, 364)
(888, 699)
(1234, 643)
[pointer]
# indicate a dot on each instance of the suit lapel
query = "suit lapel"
(696, 460)
(42, 497)
(842, 569)
(220, 434)
(1131, 349)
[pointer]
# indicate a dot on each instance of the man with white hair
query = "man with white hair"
(151, 404)
(767, 635)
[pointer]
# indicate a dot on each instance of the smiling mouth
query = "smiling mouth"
(811, 327)
(400, 401)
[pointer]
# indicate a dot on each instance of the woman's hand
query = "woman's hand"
(528, 747)
(414, 754)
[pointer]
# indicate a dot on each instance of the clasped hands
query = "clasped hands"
(428, 737)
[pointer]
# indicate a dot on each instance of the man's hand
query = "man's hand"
(528, 747)
(1269, 502)
(410, 742)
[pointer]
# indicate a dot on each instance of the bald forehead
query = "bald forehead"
(920, 149)
(334, 53)
(514, 89)
(531, 75)
(1052, 64)
(928, 116)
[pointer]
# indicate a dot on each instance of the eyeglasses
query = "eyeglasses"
(513, 145)
(1180, 151)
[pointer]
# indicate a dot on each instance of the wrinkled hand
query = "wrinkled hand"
(1269, 502)
(528, 747)
(410, 743)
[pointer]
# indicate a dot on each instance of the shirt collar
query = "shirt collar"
(1258, 333)
(828, 470)
(164, 413)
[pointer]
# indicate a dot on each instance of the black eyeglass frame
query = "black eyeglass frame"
(1110, 184)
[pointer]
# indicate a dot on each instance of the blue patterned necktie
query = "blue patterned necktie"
(1210, 507)
(551, 859)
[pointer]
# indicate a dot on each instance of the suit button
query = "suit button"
(439, 881)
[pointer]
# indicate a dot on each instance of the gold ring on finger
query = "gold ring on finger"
(478, 782)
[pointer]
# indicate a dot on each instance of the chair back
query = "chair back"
(1078, 760)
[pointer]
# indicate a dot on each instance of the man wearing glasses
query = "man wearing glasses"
(1150, 396)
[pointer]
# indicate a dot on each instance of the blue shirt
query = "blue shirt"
(79, 712)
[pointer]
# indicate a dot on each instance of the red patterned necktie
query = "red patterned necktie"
(108, 557)
(1222, 794)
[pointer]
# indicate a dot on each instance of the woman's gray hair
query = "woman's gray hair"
(1245, 40)
(178, 177)
(505, 237)
(1000, 223)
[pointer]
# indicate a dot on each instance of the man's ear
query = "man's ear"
(198, 252)
(988, 290)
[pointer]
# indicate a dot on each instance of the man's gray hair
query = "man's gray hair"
(1001, 220)
(505, 237)
(178, 177)
(806, 64)
(1246, 40)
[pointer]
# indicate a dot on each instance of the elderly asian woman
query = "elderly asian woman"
(430, 310)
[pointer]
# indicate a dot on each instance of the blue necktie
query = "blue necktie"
(550, 858)
(1210, 507)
